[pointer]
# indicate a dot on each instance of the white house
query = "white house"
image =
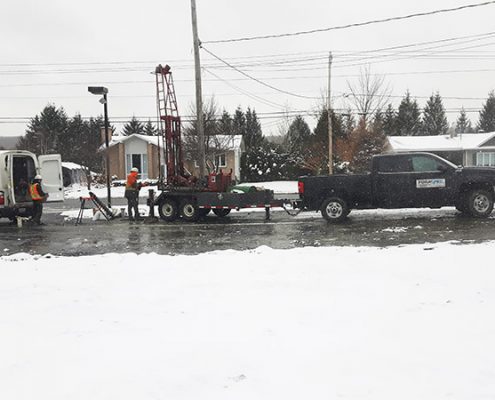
(468, 149)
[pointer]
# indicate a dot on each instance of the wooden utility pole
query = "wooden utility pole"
(329, 110)
(199, 94)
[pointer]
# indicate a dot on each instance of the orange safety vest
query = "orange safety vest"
(131, 183)
(34, 192)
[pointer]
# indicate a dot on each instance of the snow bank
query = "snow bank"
(413, 322)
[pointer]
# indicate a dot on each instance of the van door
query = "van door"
(51, 172)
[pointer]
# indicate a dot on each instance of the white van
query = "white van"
(17, 170)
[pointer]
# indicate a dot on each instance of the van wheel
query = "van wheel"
(221, 212)
(189, 210)
(480, 203)
(334, 209)
(168, 210)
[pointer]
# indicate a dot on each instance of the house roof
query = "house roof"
(465, 141)
(227, 142)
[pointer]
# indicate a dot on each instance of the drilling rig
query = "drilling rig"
(183, 195)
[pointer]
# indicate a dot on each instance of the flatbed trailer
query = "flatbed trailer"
(190, 205)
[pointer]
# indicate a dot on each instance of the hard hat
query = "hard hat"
(38, 177)
(134, 169)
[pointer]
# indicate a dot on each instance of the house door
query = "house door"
(139, 161)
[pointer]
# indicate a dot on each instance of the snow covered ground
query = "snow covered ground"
(411, 322)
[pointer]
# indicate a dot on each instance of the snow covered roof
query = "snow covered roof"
(228, 142)
(465, 141)
(116, 139)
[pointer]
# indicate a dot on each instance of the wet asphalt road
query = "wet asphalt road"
(240, 231)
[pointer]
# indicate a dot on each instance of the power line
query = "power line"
(255, 79)
(340, 27)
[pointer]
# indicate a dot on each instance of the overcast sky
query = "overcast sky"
(52, 50)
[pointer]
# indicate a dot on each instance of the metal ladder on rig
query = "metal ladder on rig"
(169, 123)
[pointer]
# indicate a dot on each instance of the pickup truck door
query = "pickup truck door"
(51, 172)
(392, 182)
(432, 181)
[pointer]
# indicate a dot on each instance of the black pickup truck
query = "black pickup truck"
(401, 181)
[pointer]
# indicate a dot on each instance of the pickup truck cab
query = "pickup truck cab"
(17, 170)
(402, 180)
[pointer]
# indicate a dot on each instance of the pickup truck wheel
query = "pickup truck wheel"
(189, 210)
(221, 212)
(334, 209)
(480, 203)
(168, 210)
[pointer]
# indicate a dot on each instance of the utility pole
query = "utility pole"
(329, 110)
(199, 94)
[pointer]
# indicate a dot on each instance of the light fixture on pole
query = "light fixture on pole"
(102, 91)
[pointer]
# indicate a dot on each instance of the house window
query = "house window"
(485, 159)
(139, 161)
(220, 161)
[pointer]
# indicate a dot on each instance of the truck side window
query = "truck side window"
(394, 164)
(424, 164)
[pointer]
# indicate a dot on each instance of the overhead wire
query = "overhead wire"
(353, 25)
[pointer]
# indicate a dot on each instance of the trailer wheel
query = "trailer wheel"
(479, 203)
(221, 212)
(168, 210)
(334, 209)
(189, 210)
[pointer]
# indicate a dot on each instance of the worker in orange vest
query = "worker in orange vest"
(38, 196)
(132, 188)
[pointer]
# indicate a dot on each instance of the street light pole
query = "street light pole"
(102, 91)
(107, 158)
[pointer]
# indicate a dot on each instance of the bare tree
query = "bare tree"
(216, 144)
(370, 93)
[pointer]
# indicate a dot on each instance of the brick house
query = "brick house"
(141, 151)
(223, 152)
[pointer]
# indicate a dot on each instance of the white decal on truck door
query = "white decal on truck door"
(430, 183)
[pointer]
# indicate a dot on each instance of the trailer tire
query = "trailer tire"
(168, 210)
(334, 209)
(479, 203)
(189, 210)
(221, 212)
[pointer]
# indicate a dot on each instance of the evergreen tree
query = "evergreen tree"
(463, 124)
(225, 124)
(45, 131)
(150, 129)
(434, 119)
(348, 123)
(408, 117)
(487, 114)
(239, 122)
(390, 121)
(298, 136)
(264, 163)
(253, 137)
(134, 126)
(370, 141)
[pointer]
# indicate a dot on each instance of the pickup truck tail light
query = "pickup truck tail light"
(2, 199)
(300, 187)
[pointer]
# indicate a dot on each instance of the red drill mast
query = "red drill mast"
(169, 126)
